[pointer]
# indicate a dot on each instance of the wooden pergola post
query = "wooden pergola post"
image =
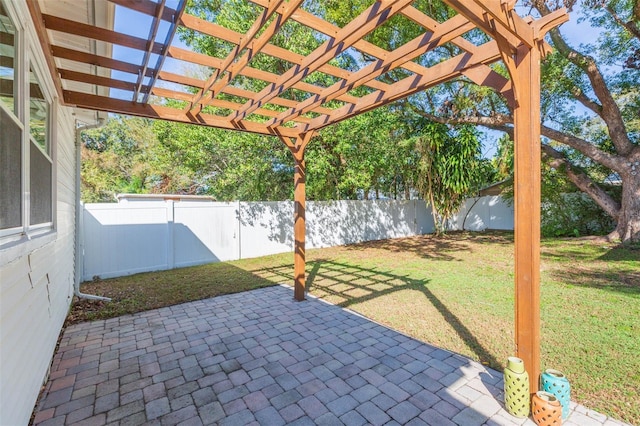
(299, 222)
(297, 148)
(527, 210)
(518, 41)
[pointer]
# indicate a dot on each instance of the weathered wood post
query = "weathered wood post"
(527, 210)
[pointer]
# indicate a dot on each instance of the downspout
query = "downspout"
(79, 209)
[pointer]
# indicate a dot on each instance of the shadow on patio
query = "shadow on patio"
(259, 357)
(350, 285)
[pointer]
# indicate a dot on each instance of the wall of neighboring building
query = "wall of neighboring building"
(37, 272)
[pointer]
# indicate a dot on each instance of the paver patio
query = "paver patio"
(259, 357)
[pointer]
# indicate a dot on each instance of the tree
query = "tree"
(358, 158)
(119, 157)
(591, 104)
(227, 165)
(449, 168)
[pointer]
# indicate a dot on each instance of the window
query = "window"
(40, 167)
(11, 134)
(26, 166)
(7, 59)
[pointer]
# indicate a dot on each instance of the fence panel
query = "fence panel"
(266, 228)
(479, 214)
(138, 236)
(204, 232)
(123, 239)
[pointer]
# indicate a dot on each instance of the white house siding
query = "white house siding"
(37, 278)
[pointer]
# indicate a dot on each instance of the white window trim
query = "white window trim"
(18, 241)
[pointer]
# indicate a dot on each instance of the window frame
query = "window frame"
(32, 67)
(28, 59)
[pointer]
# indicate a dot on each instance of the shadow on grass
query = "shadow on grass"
(354, 284)
(151, 290)
(564, 249)
(626, 282)
(437, 247)
(622, 254)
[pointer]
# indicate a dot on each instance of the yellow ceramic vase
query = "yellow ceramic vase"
(516, 388)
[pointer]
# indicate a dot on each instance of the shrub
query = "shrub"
(574, 214)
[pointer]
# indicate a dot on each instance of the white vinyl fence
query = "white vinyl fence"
(139, 236)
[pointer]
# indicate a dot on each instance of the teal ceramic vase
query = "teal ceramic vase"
(516, 388)
(556, 383)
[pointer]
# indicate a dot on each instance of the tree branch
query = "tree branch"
(611, 161)
(582, 181)
(610, 111)
(586, 101)
(504, 123)
(630, 25)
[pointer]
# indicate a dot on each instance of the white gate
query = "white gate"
(123, 239)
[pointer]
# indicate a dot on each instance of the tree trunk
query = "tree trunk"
(628, 228)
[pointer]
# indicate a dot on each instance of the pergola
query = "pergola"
(82, 71)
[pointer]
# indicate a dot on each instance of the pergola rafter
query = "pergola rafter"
(367, 21)
(291, 105)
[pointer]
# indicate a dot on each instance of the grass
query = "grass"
(456, 293)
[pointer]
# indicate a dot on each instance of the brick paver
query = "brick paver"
(259, 357)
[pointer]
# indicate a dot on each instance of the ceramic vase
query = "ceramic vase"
(546, 409)
(516, 388)
(556, 383)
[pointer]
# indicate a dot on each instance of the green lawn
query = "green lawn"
(456, 293)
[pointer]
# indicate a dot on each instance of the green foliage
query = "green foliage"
(574, 214)
(130, 155)
(359, 157)
(119, 157)
(502, 161)
(449, 168)
(227, 165)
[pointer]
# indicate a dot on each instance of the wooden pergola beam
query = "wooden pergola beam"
(101, 61)
(153, 31)
(481, 74)
(230, 90)
(97, 80)
(297, 147)
(317, 24)
(488, 16)
(421, 44)
(80, 29)
(103, 103)
(38, 22)
(527, 178)
(206, 60)
(366, 22)
(214, 30)
(219, 103)
(173, 27)
(230, 36)
(438, 74)
(147, 7)
(213, 83)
